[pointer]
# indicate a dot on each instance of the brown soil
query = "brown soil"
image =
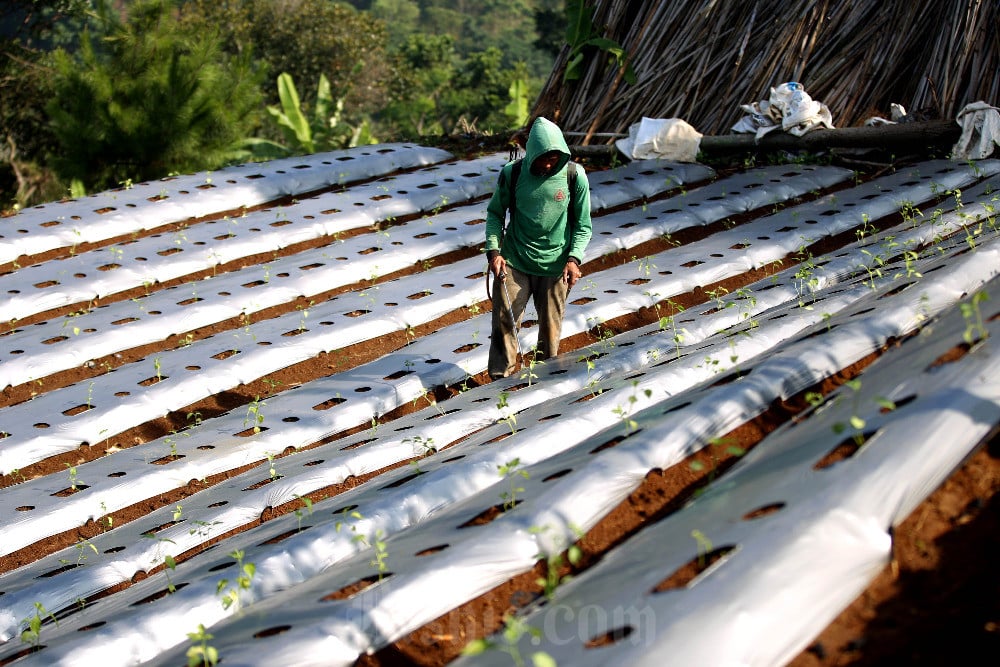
(938, 601)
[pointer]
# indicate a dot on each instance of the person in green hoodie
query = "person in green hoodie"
(538, 255)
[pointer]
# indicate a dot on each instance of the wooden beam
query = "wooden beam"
(907, 138)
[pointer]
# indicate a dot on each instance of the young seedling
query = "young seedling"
(554, 563)
(529, 371)
(33, 634)
(748, 301)
(81, 554)
(303, 314)
(244, 577)
(108, 521)
(170, 442)
(73, 481)
(514, 629)
(670, 322)
(421, 447)
(508, 417)
(855, 421)
(714, 444)
(510, 471)
(624, 412)
(201, 654)
(909, 258)
(254, 415)
(90, 395)
(974, 329)
(202, 528)
(704, 546)
(169, 565)
(717, 296)
(873, 267)
(867, 228)
(646, 266)
(380, 560)
(307, 504)
(589, 360)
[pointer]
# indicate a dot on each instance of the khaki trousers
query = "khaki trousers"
(549, 296)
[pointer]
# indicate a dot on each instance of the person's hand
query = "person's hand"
(498, 265)
(572, 274)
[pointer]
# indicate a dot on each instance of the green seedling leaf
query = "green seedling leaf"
(477, 647)
(885, 403)
(542, 659)
(574, 554)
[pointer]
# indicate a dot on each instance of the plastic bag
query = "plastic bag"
(661, 138)
(790, 108)
(980, 131)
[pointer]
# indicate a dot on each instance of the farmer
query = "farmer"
(538, 256)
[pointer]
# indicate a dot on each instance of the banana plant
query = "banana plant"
(293, 123)
(323, 130)
(517, 110)
(580, 34)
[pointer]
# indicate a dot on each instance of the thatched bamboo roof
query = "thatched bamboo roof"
(700, 59)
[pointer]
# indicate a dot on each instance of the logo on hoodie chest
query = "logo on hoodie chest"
(560, 195)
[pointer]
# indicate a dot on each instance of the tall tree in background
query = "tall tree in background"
(513, 26)
(26, 28)
(305, 39)
(480, 91)
(148, 98)
(425, 66)
(401, 18)
(437, 91)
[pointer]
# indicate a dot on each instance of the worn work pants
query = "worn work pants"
(549, 296)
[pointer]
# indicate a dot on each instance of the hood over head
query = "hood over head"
(545, 136)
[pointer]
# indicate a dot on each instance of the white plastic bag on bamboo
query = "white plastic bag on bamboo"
(789, 107)
(896, 115)
(980, 131)
(661, 139)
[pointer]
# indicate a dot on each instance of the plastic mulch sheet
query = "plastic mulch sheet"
(791, 530)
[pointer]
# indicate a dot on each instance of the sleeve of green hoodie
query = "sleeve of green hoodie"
(539, 240)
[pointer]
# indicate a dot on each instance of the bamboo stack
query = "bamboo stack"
(701, 59)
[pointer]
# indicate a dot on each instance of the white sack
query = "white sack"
(980, 131)
(789, 107)
(661, 138)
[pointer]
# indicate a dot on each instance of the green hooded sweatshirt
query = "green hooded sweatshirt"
(538, 240)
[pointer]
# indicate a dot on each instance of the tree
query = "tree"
(305, 39)
(27, 27)
(30, 22)
(305, 133)
(401, 18)
(550, 25)
(425, 66)
(436, 89)
(149, 98)
(480, 91)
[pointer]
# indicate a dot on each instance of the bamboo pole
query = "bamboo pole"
(911, 138)
(701, 60)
